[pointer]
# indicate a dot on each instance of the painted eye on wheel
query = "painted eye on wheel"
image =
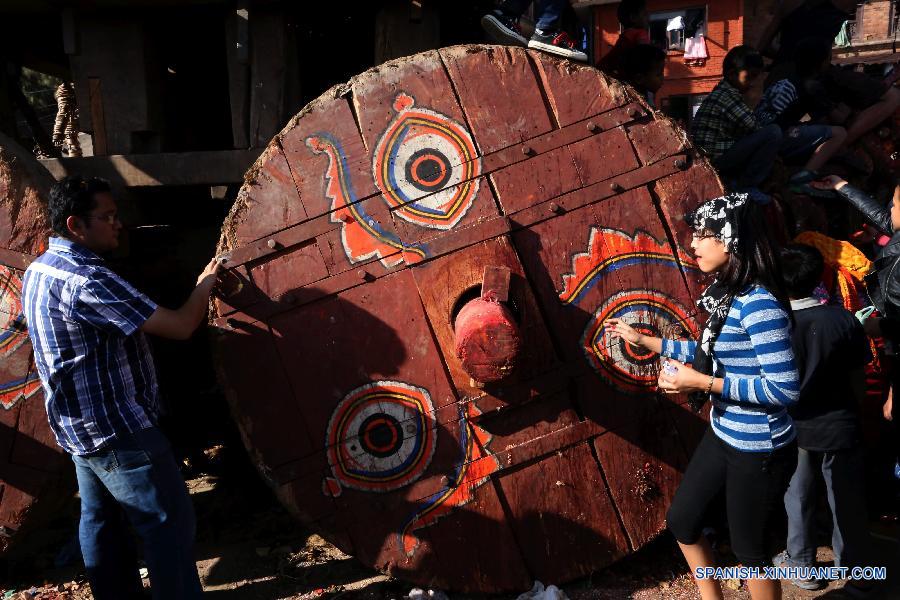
(381, 437)
(627, 367)
(425, 164)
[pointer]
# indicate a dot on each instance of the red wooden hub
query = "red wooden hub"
(487, 340)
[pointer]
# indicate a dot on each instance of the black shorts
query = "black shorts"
(754, 482)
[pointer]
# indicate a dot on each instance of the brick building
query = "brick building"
(873, 38)
(722, 24)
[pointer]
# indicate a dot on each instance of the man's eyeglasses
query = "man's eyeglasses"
(109, 219)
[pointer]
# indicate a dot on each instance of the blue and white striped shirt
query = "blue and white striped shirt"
(754, 355)
(94, 362)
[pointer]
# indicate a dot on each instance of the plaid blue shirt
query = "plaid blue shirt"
(94, 362)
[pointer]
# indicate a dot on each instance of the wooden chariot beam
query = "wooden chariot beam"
(166, 168)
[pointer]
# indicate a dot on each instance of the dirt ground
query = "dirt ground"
(249, 548)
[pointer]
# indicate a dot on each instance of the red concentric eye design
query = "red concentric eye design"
(639, 354)
(426, 166)
(381, 437)
(630, 368)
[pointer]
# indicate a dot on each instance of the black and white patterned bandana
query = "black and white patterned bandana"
(719, 217)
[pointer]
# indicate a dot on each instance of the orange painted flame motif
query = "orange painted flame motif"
(650, 311)
(362, 236)
(610, 250)
(14, 352)
(473, 471)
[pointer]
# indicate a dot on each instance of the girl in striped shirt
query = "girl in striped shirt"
(744, 364)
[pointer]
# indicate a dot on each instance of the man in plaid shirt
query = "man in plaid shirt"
(726, 129)
(87, 327)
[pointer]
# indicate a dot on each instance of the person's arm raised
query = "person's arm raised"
(180, 323)
(874, 211)
(620, 328)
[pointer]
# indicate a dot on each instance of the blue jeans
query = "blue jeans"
(843, 473)
(547, 13)
(135, 480)
(800, 141)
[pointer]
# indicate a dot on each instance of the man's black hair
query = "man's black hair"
(742, 58)
(73, 196)
(801, 267)
(628, 9)
(809, 55)
(640, 60)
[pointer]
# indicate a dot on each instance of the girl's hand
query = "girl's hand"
(684, 380)
(621, 329)
(872, 325)
(829, 182)
(888, 408)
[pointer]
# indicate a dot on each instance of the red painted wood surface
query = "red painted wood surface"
(34, 473)
(355, 245)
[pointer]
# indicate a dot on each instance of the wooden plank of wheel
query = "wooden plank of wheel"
(34, 475)
(463, 452)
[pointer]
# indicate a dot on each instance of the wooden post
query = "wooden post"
(237, 38)
(405, 27)
(96, 100)
(267, 76)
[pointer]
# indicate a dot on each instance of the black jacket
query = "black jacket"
(883, 282)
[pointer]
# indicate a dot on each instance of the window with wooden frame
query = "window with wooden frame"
(670, 28)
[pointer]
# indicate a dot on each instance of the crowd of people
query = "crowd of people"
(781, 359)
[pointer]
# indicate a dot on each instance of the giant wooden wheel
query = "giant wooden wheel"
(410, 329)
(34, 475)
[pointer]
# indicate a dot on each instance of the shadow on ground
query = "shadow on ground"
(250, 548)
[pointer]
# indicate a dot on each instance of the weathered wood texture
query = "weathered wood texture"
(34, 474)
(359, 236)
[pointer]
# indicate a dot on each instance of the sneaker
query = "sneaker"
(503, 29)
(556, 42)
(783, 560)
